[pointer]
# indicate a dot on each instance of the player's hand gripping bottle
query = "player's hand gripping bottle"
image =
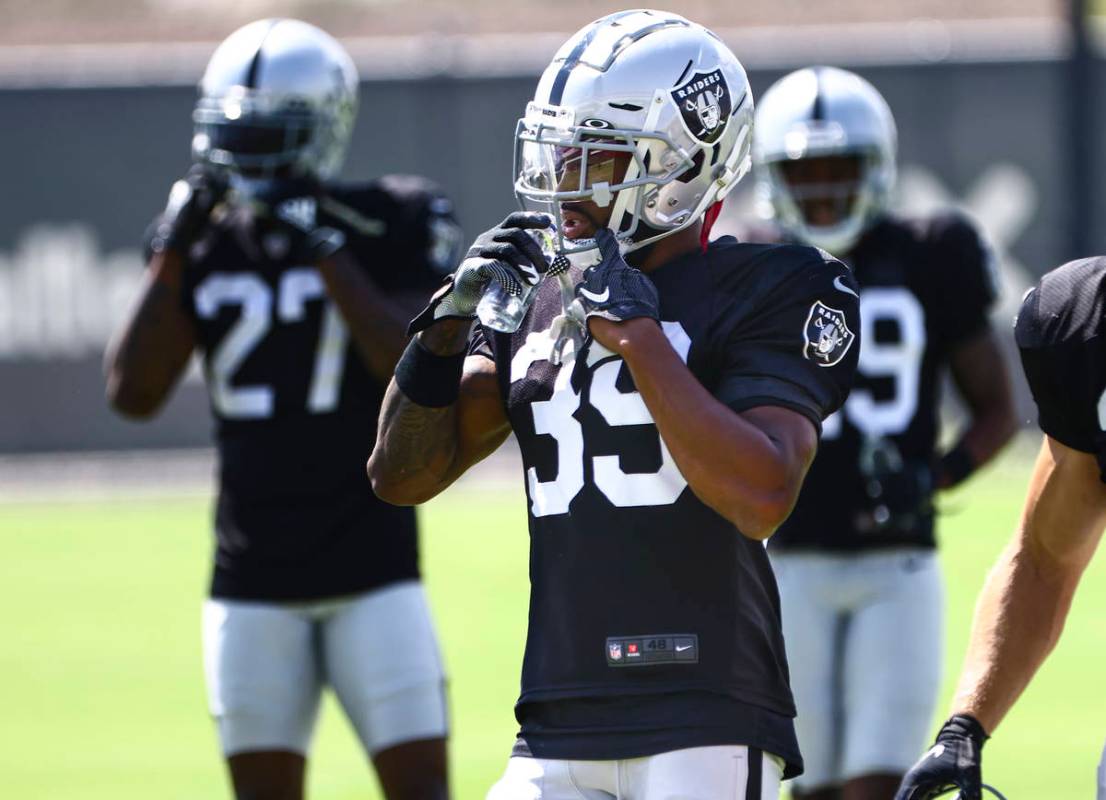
(503, 306)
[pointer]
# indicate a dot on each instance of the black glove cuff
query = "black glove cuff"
(965, 725)
(956, 465)
(635, 309)
(428, 316)
(428, 379)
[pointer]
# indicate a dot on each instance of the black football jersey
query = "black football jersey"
(638, 589)
(1060, 334)
(295, 408)
(926, 286)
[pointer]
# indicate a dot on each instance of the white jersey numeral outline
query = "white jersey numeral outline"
(255, 298)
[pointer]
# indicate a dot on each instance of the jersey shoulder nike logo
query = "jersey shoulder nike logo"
(840, 286)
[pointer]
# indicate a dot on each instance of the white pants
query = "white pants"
(697, 773)
(864, 636)
(266, 665)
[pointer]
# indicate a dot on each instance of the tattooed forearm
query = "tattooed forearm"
(415, 445)
(419, 450)
(413, 442)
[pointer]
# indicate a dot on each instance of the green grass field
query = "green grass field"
(102, 689)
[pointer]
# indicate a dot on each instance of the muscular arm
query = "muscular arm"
(150, 352)
(1021, 611)
(749, 466)
(378, 324)
(420, 451)
(979, 371)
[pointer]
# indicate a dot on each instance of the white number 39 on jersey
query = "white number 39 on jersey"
(554, 417)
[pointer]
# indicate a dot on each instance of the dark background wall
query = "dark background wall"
(85, 169)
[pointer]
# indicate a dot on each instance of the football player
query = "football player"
(662, 443)
(1025, 600)
(859, 580)
(292, 288)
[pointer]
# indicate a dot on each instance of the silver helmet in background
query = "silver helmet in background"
(825, 112)
(278, 98)
(661, 93)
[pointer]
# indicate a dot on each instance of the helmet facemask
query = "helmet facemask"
(559, 163)
(855, 201)
(248, 133)
(661, 188)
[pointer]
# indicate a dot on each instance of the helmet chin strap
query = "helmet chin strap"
(709, 219)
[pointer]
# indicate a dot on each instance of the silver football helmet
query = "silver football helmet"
(825, 111)
(279, 96)
(661, 93)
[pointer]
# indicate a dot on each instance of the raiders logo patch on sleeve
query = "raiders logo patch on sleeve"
(826, 337)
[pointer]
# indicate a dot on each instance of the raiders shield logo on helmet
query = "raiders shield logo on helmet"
(705, 104)
(826, 336)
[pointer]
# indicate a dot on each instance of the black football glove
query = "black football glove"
(952, 763)
(297, 216)
(186, 215)
(507, 253)
(614, 290)
(899, 491)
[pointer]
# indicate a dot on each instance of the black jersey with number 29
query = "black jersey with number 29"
(1061, 334)
(926, 288)
(637, 587)
(295, 407)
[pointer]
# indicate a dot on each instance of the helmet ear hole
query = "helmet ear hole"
(690, 174)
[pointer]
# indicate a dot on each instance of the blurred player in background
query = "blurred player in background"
(292, 287)
(1061, 333)
(860, 588)
(661, 446)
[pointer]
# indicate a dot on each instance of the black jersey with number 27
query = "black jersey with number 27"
(295, 407)
(640, 593)
(1061, 334)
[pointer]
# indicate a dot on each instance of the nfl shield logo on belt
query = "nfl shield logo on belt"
(826, 336)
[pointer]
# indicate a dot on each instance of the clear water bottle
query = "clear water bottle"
(502, 311)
